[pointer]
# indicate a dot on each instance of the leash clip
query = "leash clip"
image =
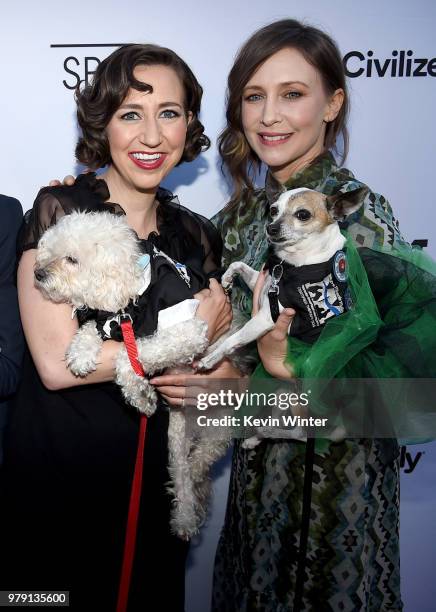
(276, 275)
(124, 317)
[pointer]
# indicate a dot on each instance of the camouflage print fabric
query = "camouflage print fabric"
(305, 530)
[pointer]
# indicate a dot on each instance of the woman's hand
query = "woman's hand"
(68, 180)
(215, 309)
(174, 388)
(273, 346)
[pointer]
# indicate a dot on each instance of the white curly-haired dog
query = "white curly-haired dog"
(94, 261)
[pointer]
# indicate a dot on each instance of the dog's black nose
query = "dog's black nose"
(40, 274)
(273, 229)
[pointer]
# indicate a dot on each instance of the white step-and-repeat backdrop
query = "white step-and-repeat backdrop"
(46, 48)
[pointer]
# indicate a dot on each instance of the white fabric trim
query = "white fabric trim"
(183, 311)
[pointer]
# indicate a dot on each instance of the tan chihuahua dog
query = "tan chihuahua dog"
(307, 270)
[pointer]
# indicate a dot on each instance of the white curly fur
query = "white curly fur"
(136, 390)
(82, 354)
(91, 259)
(173, 346)
(106, 251)
(184, 518)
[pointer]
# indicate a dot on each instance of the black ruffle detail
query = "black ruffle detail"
(186, 236)
(92, 195)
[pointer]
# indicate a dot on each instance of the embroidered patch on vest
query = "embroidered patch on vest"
(340, 266)
(322, 300)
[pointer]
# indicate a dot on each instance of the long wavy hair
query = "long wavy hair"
(320, 51)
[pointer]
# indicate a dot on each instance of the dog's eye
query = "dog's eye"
(71, 260)
(274, 211)
(303, 214)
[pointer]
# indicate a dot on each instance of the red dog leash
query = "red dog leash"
(135, 494)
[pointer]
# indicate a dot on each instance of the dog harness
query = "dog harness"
(316, 292)
(166, 283)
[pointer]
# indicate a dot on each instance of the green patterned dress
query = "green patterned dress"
(350, 558)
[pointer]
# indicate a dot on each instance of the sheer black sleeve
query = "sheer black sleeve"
(211, 243)
(46, 211)
(87, 194)
(184, 235)
(187, 237)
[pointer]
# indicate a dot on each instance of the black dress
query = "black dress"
(69, 455)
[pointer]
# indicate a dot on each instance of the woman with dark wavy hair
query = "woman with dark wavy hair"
(71, 444)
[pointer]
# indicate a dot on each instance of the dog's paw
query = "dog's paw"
(229, 275)
(136, 390)
(141, 395)
(184, 521)
(81, 357)
(227, 281)
(250, 443)
(209, 361)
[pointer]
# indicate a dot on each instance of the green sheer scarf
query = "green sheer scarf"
(390, 332)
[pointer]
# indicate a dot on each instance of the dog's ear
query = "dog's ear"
(341, 205)
(273, 189)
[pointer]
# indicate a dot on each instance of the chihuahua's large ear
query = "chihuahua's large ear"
(273, 189)
(341, 205)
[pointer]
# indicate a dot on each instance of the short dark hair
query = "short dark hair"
(319, 50)
(98, 101)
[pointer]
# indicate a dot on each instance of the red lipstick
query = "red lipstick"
(155, 160)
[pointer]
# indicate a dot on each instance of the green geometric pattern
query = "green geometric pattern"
(352, 561)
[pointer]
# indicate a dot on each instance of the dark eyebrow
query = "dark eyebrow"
(170, 103)
(285, 84)
(139, 107)
(134, 106)
(293, 83)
